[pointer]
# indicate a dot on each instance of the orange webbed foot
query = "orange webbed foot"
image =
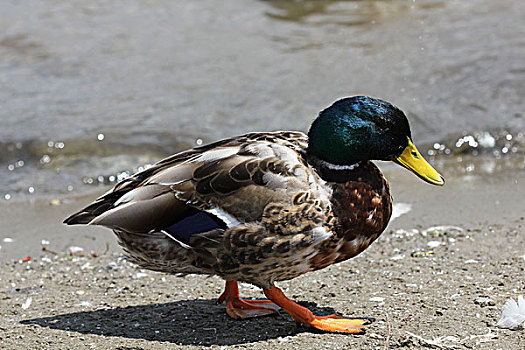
(331, 323)
(338, 323)
(242, 308)
(238, 308)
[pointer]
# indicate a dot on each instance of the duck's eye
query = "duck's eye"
(415, 155)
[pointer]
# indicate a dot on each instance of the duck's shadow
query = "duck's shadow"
(187, 322)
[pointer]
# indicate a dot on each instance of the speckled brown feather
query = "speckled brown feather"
(275, 249)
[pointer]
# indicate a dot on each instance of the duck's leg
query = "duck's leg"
(331, 323)
(242, 308)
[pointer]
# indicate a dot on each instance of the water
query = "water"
(91, 91)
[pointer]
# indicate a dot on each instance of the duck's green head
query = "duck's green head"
(364, 128)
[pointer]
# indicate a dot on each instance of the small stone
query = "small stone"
(55, 202)
(74, 250)
(484, 301)
(451, 338)
(433, 244)
(27, 303)
(398, 257)
(443, 231)
(112, 265)
(84, 304)
(140, 275)
(424, 254)
(377, 299)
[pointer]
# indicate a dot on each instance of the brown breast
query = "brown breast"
(362, 207)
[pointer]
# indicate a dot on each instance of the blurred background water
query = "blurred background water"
(91, 91)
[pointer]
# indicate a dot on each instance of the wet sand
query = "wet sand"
(423, 288)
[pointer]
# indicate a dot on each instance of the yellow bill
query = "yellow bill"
(414, 161)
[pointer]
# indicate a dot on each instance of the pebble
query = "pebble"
(377, 299)
(55, 201)
(426, 254)
(84, 303)
(112, 265)
(140, 275)
(443, 230)
(398, 257)
(451, 338)
(433, 244)
(74, 249)
(484, 301)
(27, 303)
(400, 233)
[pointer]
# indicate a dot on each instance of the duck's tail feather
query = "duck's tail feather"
(86, 215)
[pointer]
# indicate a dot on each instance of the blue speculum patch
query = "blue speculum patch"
(194, 224)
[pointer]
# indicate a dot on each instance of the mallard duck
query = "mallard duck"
(266, 206)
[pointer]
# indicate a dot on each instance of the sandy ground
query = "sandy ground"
(441, 288)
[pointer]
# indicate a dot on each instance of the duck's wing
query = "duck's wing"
(230, 181)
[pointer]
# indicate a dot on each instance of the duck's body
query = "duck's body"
(266, 213)
(258, 208)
